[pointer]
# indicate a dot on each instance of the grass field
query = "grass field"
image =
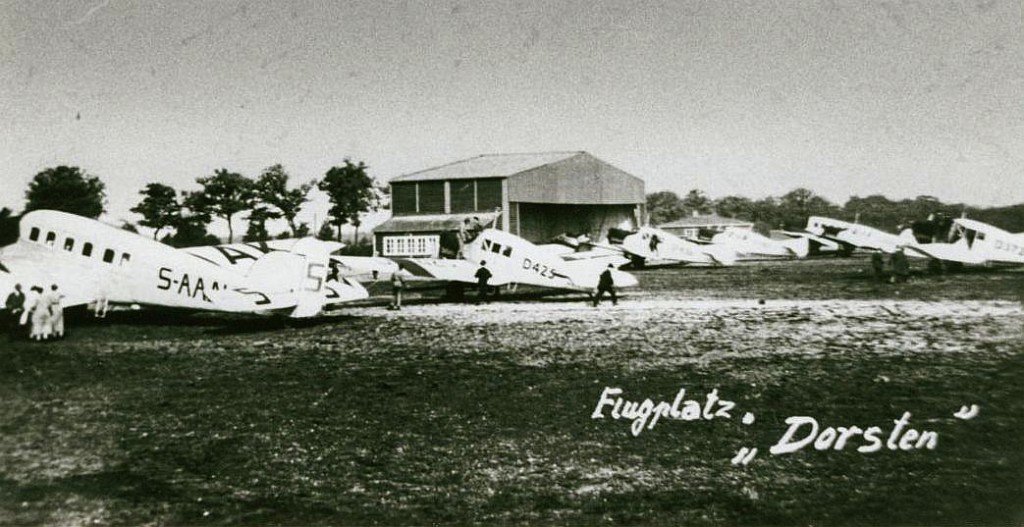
(453, 414)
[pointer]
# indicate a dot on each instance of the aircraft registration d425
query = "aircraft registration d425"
(513, 260)
(89, 261)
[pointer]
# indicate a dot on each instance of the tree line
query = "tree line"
(184, 216)
(791, 210)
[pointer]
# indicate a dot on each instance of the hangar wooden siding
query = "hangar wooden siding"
(580, 180)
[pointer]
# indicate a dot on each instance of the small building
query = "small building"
(536, 196)
(703, 226)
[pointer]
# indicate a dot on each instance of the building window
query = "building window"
(69, 244)
(87, 249)
(108, 255)
(34, 234)
(50, 238)
(411, 245)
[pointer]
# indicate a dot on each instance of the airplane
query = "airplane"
(974, 243)
(817, 244)
(90, 261)
(649, 246)
(750, 245)
(240, 256)
(852, 236)
(513, 260)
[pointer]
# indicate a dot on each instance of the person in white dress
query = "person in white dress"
(55, 304)
(38, 314)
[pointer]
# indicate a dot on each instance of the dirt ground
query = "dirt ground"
(449, 413)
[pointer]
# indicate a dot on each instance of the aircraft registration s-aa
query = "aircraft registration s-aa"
(89, 261)
(513, 260)
(750, 245)
(975, 243)
(852, 236)
(649, 246)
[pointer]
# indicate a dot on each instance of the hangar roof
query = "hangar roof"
(485, 166)
(431, 222)
(551, 177)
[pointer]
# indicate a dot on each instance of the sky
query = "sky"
(756, 98)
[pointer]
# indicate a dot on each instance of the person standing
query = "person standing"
(55, 304)
(900, 266)
(878, 265)
(606, 284)
(15, 306)
(397, 285)
(483, 277)
(38, 314)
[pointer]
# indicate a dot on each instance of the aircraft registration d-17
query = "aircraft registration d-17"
(649, 246)
(750, 245)
(91, 261)
(974, 243)
(852, 236)
(513, 260)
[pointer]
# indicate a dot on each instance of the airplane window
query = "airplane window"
(496, 248)
(507, 251)
(981, 236)
(34, 234)
(486, 244)
(50, 237)
(69, 244)
(125, 258)
(108, 255)
(87, 249)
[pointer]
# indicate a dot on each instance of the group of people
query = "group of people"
(38, 314)
(899, 263)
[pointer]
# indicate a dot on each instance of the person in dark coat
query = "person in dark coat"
(483, 276)
(900, 266)
(15, 307)
(878, 265)
(605, 284)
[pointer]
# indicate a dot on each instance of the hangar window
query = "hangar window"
(34, 234)
(69, 244)
(87, 249)
(410, 245)
(50, 238)
(108, 255)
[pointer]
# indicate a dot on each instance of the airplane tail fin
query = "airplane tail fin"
(798, 247)
(300, 273)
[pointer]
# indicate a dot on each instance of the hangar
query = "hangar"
(537, 196)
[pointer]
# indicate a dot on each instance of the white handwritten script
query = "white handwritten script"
(801, 432)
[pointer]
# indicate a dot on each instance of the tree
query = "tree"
(67, 189)
(257, 231)
(326, 232)
(351, 192)
(159, 207)
(190, 231)
(272, 189)
(663, 207)
(697, 201)
(734, 207)
(224, 194)
(798, 204)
